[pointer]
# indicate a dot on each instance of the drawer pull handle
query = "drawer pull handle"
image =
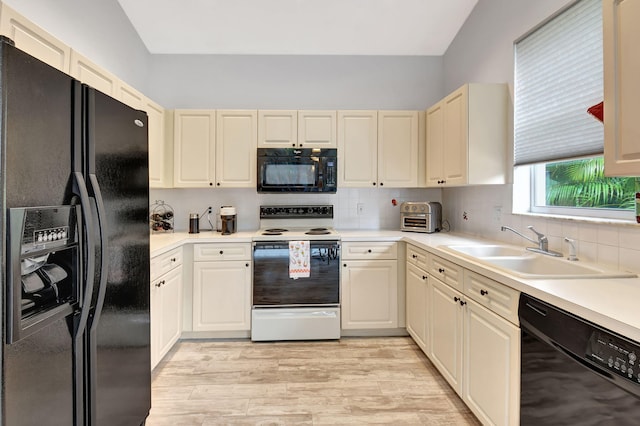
(483, 292)
(441, 270)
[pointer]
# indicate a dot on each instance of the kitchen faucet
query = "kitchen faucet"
(543, 242)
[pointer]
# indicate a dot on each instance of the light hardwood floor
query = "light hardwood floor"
(351, 381)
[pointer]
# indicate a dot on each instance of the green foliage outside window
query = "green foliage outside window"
(581, 183)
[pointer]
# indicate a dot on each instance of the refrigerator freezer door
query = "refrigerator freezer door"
(118, 339)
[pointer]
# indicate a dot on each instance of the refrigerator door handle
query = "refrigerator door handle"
(81, 190)
(104, 258)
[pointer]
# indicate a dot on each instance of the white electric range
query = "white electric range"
(285, 305)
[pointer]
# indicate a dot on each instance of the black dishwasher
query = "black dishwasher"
(574, 372)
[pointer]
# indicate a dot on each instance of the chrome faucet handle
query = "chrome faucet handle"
(543, 242)
(540, 235)
(572, 249)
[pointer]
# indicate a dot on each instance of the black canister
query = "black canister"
(194, 223)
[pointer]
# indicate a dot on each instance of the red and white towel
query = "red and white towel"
(299, 259)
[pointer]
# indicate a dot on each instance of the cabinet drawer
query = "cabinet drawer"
(447, 272)
(370, 250)
(221, 251)
(165, 262)
(497, 297)
(417, 257)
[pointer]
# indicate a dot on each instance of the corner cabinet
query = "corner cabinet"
(166, 303)
(369, 285)
(467, 137)
(222, 287)
(621, 87)
(380, 148)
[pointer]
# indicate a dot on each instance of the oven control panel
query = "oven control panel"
(296, 212)
(615, 354)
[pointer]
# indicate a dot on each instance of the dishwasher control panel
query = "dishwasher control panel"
(614, 354)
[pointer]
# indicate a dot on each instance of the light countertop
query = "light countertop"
(611, 303)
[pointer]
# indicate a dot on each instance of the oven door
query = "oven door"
(272, 286)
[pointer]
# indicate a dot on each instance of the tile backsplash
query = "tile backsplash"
(377, 210)
(482, 210)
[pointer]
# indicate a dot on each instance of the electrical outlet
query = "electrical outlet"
(210, 210)
(497, 214)
(360, 208)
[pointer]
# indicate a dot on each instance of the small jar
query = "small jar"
(194, 223)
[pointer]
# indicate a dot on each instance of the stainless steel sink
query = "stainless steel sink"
(521, 263)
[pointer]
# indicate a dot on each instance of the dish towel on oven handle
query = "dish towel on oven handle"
(299, 259)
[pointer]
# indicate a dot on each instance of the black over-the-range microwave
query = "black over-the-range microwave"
(297, 170)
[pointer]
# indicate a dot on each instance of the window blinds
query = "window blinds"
(558, 76)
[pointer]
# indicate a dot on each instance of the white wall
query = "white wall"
(296, 82)
(483, 52)
(99, 29)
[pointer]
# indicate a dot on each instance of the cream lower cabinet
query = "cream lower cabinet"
(166, 303)
(369, 285)
(222, 287)
(417, 297)
(476, 350)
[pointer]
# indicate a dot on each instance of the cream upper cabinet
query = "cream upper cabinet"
(467, 137)
(277, 129)
(357, 149)
(194, 148)
(130, 96)
(380, 148)
(621, 87)
(296, 129)
(33, 39)
(317, 129)
(398, 148)
(236, 140)
(160, 147)
(92, 74)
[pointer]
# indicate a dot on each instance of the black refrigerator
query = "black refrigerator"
(75, 252)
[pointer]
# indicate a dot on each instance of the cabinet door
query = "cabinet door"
(455, 122)
(236, 140)
(621, 87)
(398, 149)
(159, 155)
(417, 294)
(277, 129)
(130, 96)
(33, 39)
(317, 129)
(435, 145)
(92, 74)
(369, 294)
(194, 148)
(446, 332)
(155, 313)
(170, 310)
(357, 149)
(491, 366)
(222, 296)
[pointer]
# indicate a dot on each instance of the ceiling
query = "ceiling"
(298, 27)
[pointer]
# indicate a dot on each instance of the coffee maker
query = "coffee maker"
(228, 220)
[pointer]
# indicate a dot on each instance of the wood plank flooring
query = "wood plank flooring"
(351, 381)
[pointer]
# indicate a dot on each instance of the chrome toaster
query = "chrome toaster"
(421, 216)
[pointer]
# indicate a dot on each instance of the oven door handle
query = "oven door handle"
(276, 245)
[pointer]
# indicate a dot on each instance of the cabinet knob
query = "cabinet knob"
(369, 251)
(374, 184)
(221, 252)
(415, 256)
(210, 183)
(218, 184)
(483, 292)
(158, 284)
(424, 277)
(381, 183)
(173, 259)
(300, 145)
(456, 299)
(441, 270)
(293, 144)
(246, 264)
(462, 302)
(344, 264)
